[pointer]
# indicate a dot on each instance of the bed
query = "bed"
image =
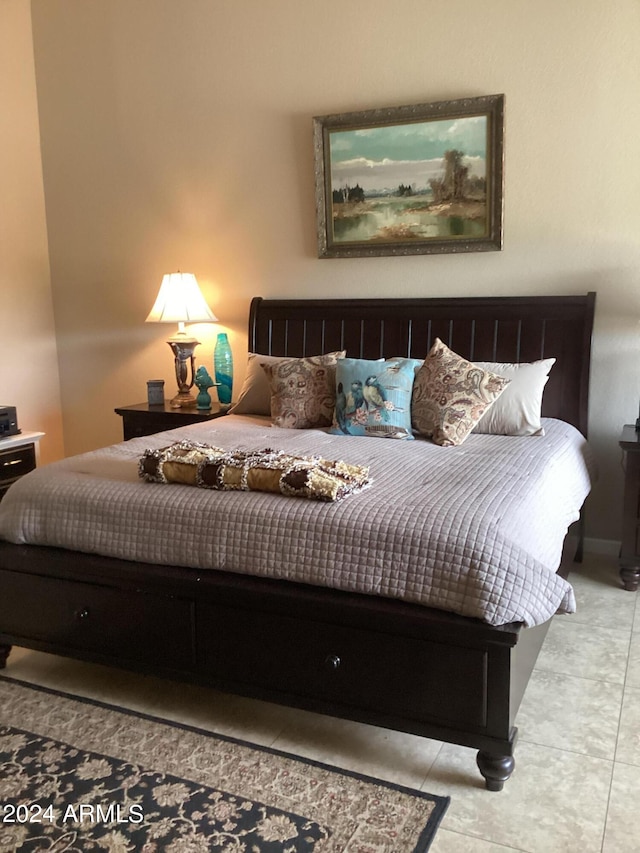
(383, 654)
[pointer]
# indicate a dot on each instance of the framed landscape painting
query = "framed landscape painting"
(411, 180)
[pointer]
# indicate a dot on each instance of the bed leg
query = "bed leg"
(630, 578)
(4, 654)
(496, 769)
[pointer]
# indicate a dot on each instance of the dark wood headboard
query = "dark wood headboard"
(501, 328)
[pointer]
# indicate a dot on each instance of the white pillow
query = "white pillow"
(517, 409)
(255, 395)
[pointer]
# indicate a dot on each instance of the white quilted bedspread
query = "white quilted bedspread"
(476, 529)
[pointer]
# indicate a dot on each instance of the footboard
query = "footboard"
(379, 661)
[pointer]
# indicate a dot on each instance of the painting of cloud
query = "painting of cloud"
(418, 180)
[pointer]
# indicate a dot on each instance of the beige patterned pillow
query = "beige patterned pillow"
(255, 394)
(303, 391)
(450, 395)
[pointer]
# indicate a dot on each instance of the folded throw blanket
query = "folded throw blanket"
(196, 464)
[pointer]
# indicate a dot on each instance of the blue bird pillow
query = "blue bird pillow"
(374, 397)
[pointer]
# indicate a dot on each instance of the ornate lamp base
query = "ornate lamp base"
(183, 400)
(182, 348)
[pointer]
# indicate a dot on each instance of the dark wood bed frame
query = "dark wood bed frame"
(379, 661)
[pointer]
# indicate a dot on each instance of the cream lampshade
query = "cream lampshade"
(180, 301)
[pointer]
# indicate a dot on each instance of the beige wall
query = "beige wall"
(28, 366)
(177, 135)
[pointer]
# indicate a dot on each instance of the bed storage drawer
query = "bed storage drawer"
(122, 623)
(350, 666)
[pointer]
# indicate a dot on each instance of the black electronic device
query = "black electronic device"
(8, 421)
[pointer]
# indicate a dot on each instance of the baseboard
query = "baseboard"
(610, 547)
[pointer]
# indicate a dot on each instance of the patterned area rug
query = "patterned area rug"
(78, 775)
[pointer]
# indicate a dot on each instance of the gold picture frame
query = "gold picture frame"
(420, 179)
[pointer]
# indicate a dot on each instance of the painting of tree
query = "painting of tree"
(411, 180)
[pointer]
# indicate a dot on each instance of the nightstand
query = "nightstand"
(18, 456)
(630, 550)
(143, 419)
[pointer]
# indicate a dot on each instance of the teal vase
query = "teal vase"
(223, 367)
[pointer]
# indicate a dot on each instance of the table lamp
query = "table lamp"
(180, 301)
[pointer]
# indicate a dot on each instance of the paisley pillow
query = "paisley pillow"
(255, 394)
(303, 391)
(451, 394)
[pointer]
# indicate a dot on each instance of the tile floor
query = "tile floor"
(576, 787)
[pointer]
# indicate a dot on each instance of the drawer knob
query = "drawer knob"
(332, 661)
(82, 614)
